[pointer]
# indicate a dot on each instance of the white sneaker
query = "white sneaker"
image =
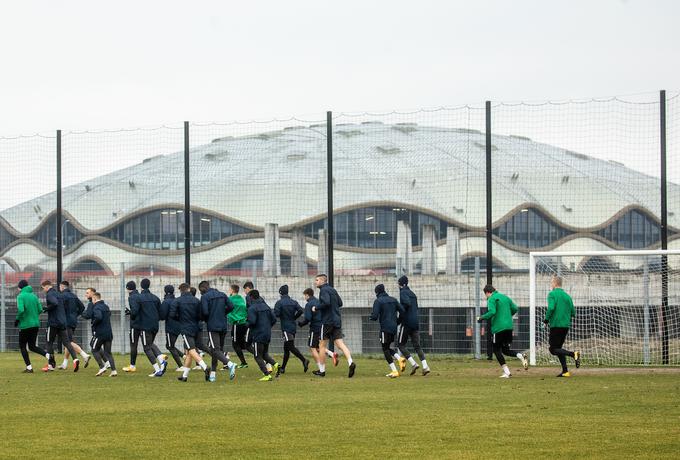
(196, 368)
(179, 369)
(107, 365)
(100, 372)
(505, 376)
(113, 374)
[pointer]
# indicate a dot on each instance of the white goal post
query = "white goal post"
(624, 315)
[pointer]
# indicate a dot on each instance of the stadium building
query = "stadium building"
(407, 198)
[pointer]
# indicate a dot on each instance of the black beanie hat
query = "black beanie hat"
(283, 290)
(169, 289)
(145, 283)
(131, 286)
(22, 284)
(379, 288)
(403, 281)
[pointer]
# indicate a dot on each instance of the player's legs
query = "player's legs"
(258, 349)
(237, 343)
(191, 344)
(556, 340)
(345, 350)
(108, 356)
(23, 343)
(134, 341)
(215, 339)
(170, 341)
(66, 341)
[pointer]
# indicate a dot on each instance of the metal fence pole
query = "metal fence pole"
(664, 230)
(478, 310)
(489, 216)
(329, 181)
(59, 248)
(122, 308)
(645, 289)
(187, 208)
(3, 308)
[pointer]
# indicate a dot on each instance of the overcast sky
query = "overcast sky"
(85, 65)
(79, 65)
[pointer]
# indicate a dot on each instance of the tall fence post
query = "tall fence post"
(478, 310)
(329, 180)
(645, 312)
(3, 308)
(664, 229)
(59, 248)
(489, 216)
(124, 340)
(187, 208)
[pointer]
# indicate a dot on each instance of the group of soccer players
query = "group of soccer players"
(250, 321)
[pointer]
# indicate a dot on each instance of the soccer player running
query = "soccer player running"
(260, 321)
(171, 325)
(558, 316)
(89, 314)
(135, 331)
(385, 309)
(214, 308)
(103, 335)
(74, 308)
(239, 328)
(56, 325)
(501, 308)
(288, 310)
(187, 310)
(331, 323)
(147, 312)
(313, 318)
(409, 328)
(28, 322)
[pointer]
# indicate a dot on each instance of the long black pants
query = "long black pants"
(239, 341)
(103, 349)
(262, 356)
(52, 334)
(501, 345)
(404, 335)
(216, 348)
(28, 338)
(386, 339)
(556, 340)
(289, 347)
(135, 334)
(170, 340)
(150, 348)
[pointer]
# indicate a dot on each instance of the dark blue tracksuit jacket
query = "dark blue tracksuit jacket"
(56, 313)
(409, 302)
(214, 307)
(89, 314)
(260, 321)
(186, 309)
(171, 324)
(133, 304)
(146, 311)
(385, 309)
(101, 321)
(74, 308)
(329, 305)
(313, 318)
(288, 310)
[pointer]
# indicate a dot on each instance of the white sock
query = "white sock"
(318, 365)
(156, 367)
(231, 364)
(396, 357)
(47, 356)
(349, 361)
(29, 367)
(64, 363)
(393, 367)
(185, 373)
(84, 355)
(519, 356)
(160, 358)
(329, 353)
(424, 363)
(107, 364)
(412, 361)
(506, 370)
(202, 364)
(322, 367)
(212, 374)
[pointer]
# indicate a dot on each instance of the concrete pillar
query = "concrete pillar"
(298, 260)
(272, 254)
(429, 254)
(452, 251)
(404, 262)
(322, 264)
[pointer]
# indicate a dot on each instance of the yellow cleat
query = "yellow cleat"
(402, 364)
(130, 369)
(393, 375)
(266, 378)
(565, 374)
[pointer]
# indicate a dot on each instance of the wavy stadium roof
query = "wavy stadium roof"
(280, 177)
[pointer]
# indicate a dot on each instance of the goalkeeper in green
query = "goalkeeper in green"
(501, 310)
(558, 316)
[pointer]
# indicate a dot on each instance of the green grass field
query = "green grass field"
(461, 410)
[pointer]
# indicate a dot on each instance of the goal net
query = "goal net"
(627, 305)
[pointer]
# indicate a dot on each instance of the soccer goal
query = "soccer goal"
(627, 305)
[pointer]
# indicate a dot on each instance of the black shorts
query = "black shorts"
(190, 342)
(288, 336)
(404, 334)
(503, 337)
(239, 333)
(386, 338)
(313, 339)
(330, 332)
(557, 336)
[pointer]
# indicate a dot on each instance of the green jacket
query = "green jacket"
(239, 314)
(28, 308)
(501, 309)
(560, 309)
